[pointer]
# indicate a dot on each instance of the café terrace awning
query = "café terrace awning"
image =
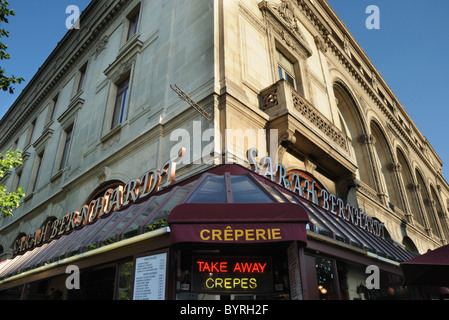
(221, 186)
(430, 269)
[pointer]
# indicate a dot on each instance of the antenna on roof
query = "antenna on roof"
(189, 100)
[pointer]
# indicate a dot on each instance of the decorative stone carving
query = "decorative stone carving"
(347, 46)
(374, 80)
(321, 44)
(430, 203)
(101, 45)
(282, 20)
(309, 165)
(103, 174)
(288, 137)
(269, 98)
(315, 117)
(367, 139)
(289, 16)
(414, 187)
(394, 166)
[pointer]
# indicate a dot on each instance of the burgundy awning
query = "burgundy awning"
(430, 269)
(227, 223)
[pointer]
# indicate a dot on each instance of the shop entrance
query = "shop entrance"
(250, 272)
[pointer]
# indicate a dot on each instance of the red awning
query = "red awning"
(227, 223)
(430, 269)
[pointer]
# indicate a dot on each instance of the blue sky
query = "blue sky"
(35, 31)
(410, 49)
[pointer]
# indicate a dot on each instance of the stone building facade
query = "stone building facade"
(101, 111)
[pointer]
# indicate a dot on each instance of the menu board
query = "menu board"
(294, 273)
(149, 280)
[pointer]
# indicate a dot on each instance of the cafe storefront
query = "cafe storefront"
(229, 233)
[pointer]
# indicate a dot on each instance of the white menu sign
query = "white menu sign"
(294, 274)
(149, 280)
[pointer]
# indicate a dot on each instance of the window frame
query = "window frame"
(66, 147)
(283, 70)
(133, 23)
(30, 133)
(54, 103)
(38, 170)
(17, 180)
(122, 97)
(81, 78)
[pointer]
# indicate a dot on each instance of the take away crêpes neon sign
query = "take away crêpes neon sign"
(232, 274)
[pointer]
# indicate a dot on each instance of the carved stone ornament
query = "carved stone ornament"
(367, 139)
(430, 202)
(269, 98)
(347, 45)
(321, 44)
(101, 45)
(394, 166)
(284, 23)
(103, 174)
(289, 16)
(414, 187)
(288, 137)
(374, 80)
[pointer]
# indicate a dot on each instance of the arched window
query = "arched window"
(351, 124)
(387, 235)
(410, 187)
(440, 214)
(425, 196)
(19, 237)
(384, 162)
(409, 245)
(99, 192)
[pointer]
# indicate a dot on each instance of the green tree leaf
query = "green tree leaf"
(6, 82)
(9, 200)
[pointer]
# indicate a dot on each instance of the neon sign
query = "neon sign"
(237, 235)
(232, 274)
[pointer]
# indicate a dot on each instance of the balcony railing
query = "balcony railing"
(281, 98)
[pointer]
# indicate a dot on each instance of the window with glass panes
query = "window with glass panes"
(286, 68)
(133, 25)
(66, 150)
(120, 103)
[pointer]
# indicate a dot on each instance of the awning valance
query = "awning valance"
(227, 223)
(430, 269)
